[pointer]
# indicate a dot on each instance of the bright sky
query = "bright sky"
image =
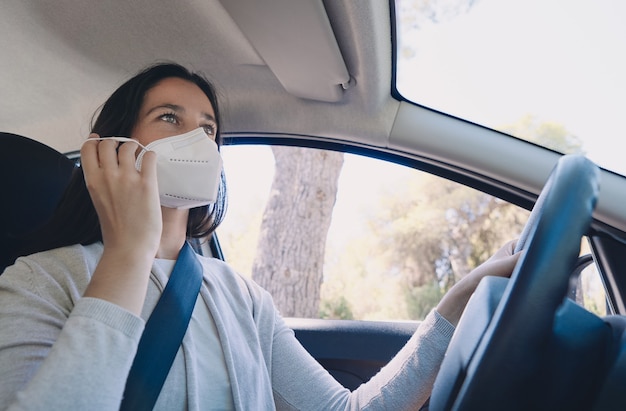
(561, 61)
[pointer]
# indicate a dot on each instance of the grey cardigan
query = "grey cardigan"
(60, 351)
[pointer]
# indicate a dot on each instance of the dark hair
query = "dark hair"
(75, 221)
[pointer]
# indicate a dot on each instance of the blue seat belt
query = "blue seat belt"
(163, 333)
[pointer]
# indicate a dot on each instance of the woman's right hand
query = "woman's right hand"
(127, 203)
(126, 200)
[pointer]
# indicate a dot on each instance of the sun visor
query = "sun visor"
(297, 43)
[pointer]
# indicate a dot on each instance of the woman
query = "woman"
(72, 314)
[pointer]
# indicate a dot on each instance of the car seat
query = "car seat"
(32, 177)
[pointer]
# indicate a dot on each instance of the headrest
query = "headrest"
(32, 178)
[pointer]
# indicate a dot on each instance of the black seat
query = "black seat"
(32, 177)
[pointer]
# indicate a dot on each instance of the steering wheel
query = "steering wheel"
(513, 331)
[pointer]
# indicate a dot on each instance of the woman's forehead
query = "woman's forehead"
(174, 91)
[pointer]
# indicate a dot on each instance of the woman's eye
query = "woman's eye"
(170, 118)
(210, 129)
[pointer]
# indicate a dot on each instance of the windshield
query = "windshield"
(548, 71)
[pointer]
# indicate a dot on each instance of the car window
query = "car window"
(539, 70)
(590, 292)
(398, 239)
(587, 289)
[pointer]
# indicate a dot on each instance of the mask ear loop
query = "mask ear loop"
(125, 140)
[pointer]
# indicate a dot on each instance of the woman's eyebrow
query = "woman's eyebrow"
(209, 117)
(173, 107)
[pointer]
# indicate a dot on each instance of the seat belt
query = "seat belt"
(163, 333)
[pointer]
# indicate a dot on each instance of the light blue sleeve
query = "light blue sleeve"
(56, 354)
(300, 383)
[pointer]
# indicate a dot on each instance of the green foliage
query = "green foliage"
(436, 232)
(421, 239)
(420, 300)
(440, 230)
(336, 309)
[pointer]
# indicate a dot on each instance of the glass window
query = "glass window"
(590, 292)
(587, 289)
(548, 71)
(398, 237)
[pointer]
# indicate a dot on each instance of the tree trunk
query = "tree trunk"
(290, 253)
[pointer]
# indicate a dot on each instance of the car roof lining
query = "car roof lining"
(73, 46)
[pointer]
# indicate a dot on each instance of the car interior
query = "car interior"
(321, 74)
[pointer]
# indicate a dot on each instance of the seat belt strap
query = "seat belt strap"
(163, 333)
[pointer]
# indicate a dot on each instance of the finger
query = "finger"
(107, 153)
(504, 267)
(89, 156)
(126, 155)
(148, 164)
(506, 250)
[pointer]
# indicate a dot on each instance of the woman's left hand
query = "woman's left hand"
(500, 264)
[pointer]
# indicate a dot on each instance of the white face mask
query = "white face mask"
(189, 168)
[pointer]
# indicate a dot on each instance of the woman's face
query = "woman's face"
(173, 106)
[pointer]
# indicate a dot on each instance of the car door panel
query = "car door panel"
(352, 351)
